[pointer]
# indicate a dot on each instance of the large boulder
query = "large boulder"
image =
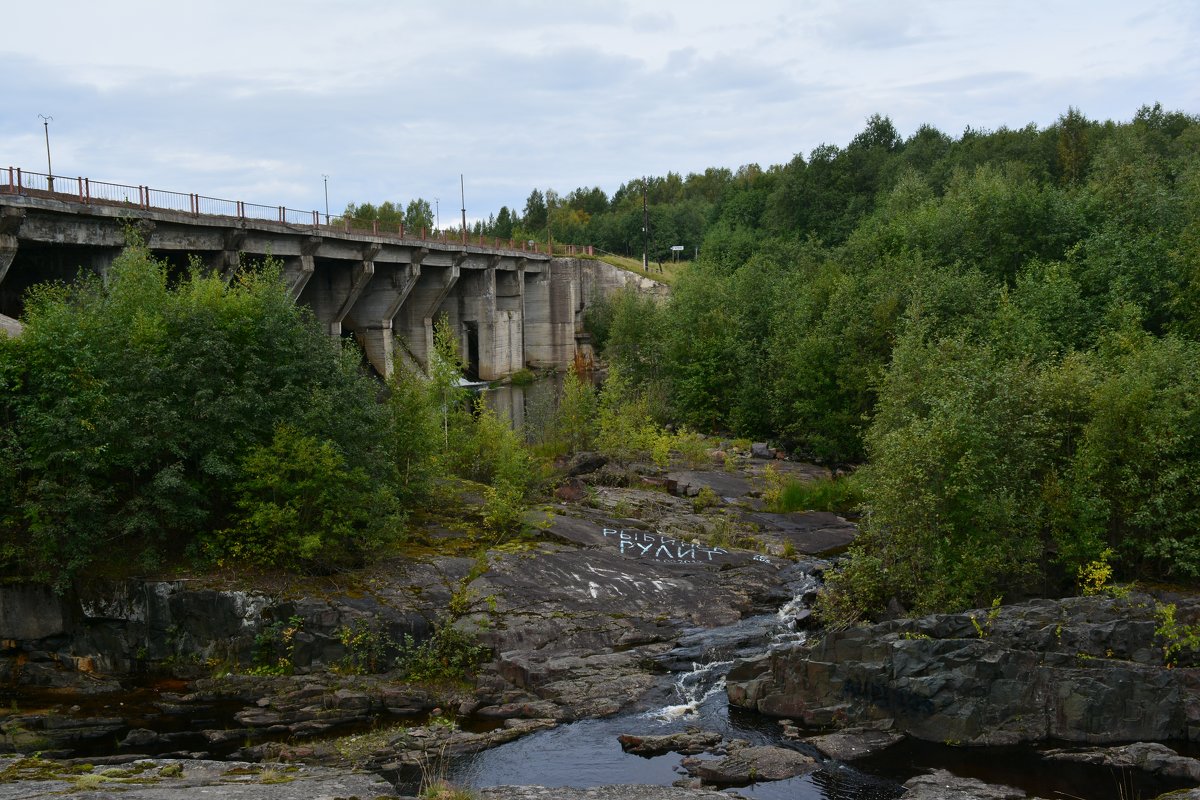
(1081, 670)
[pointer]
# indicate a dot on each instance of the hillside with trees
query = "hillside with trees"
(1001, 328)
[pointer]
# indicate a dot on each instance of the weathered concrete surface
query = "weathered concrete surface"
(1079, 669)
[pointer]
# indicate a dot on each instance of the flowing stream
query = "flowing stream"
(587, 753)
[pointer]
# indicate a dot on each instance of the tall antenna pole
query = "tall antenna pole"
(463, 193)
(645, 228)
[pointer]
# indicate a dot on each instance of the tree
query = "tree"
(534, 217)
(417, 215)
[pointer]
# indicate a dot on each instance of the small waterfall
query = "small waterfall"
(707, 676)
(692, 689)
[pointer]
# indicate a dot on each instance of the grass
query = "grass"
(839, 495)
(671, 269)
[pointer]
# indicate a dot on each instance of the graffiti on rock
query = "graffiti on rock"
(657, 547)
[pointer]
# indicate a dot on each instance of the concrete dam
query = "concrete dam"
(511, 306)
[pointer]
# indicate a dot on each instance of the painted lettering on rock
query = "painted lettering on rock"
(657, 547)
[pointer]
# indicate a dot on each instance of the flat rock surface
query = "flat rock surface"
(810, 532)
(749, 764)
(943, 785)
(849, 745)
(1151, 757)
(633, 792)
(170, 779)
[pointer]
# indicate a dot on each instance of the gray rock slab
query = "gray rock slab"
(850, 745)
(724, 484)
(170, 779)
(810, 532)
(632, 792)
(749, 764)
(943, 785)
(1150, 757)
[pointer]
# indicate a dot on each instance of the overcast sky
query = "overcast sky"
(257, 99)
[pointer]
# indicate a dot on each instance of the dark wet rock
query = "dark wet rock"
(1043, 670)
(140, 737)
(854, 743)
(745, 765)
(585, 464)
(1150, 757)
(761, 450)
(689, 742)
(622, 792)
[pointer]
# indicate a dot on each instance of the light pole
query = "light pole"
(437, 211)
(49, 169)
(326, 177)
(463, 194)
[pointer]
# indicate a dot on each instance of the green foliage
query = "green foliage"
(369, 650)
(449, 654)
(1176, 637)
(627, 431)
(575, 420)
(839, 494)
(301, 507)
(135, 406)
(275, 647)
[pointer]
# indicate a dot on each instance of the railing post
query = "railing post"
(401, 230)
(375, 227)
(80, 182)
(20, 185)
(241, 209)
(316, 219)
(281, 214)
(10, 179)
(422, 233)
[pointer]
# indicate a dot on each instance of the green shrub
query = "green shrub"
(449, 654)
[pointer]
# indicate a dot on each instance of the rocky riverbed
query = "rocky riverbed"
(631, 575)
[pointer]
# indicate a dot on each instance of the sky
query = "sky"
(259, 100)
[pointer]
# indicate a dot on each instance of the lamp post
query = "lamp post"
(437, 211)
(463, 194)
(326, 177)
(49, 169)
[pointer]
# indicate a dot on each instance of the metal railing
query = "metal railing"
(89, 192)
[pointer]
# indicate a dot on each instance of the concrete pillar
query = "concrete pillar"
(414, 322)
(359, 278)
(550, 299)
(230, 257)
(372, 317)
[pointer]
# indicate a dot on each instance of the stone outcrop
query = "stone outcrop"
(1080, 669)
(943, 785)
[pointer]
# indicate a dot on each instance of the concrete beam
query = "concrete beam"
(415, 317)
(361, 276)
(372, 317)
(8, 251)
(297, 277)
(230, 257)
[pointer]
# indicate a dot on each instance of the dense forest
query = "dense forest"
(996, 336)
(1001, 328)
